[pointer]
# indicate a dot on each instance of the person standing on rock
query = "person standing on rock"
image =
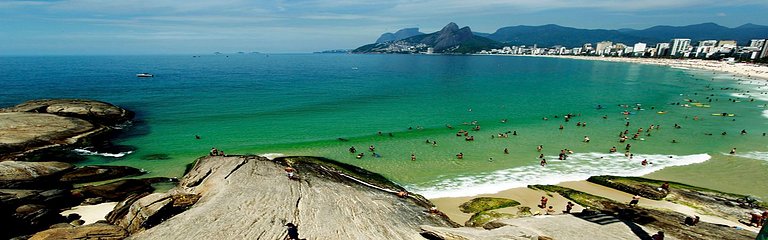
(293, 231)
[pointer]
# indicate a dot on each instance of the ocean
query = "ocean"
(323, 104)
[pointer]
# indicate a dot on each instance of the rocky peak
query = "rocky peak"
(451, 27)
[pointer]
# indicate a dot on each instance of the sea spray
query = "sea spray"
(579, 166)
(86, 152)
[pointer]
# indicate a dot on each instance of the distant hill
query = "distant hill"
(550, 35)
(450, 39)
(400, 34)
(704, 31)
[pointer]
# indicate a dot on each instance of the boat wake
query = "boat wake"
(579, 166)
(87, 152)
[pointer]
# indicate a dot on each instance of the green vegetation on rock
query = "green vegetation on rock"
(481, 218)
(581, 198)
(486, 203)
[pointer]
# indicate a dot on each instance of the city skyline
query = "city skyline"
(174, 27)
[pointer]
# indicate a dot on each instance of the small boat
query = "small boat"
(144, 75)
(724, 114)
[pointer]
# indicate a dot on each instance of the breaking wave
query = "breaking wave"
(579, 166)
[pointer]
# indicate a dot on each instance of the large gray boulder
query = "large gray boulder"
(90, 110)
(252, 198)
(15, 174)
(41, 124)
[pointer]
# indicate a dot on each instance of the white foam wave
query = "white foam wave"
(754, 155)
(83, 151)
(579, 166)
(757, 90)
(272, 156)
(765, 113)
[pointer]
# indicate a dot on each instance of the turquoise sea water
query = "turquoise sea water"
(301, 105)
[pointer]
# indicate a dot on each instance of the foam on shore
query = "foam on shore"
(85, 151)
(763, 156)
(579, 166)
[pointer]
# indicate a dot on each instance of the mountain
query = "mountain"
(400, 34)
(550, 35)
(450, 39)
(704, 31)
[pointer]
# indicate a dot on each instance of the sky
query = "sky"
(93, 27)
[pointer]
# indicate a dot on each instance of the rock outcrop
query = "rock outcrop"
(34, 191)
(253, 198)
(100, 231)
(119, 190)
(41, 124)
(98, 173)
(15, 174)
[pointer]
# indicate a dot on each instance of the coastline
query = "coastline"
(530, 198)
(746, 70)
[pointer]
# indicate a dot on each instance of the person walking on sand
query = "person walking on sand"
(635, 201)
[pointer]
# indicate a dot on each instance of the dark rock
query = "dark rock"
(73, 216)
(119, 190)
(15, 174)
(157, 156)
(122, 208)
(184, 200)
(147, 212)
(99, 173)
(100, 231)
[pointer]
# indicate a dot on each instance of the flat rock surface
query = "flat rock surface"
(23, 127)
(252, 198)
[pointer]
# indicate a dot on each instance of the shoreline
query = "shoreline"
(530, 198)
(745, 70)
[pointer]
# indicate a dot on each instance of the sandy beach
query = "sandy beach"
(530, 198)
(91, 213)
(745, 70)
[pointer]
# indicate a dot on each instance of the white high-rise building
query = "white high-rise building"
(662, 49)
(679, 46)
(706, 48)
(758, 43)
(639, 47)
(764, 52)
(603, 47)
